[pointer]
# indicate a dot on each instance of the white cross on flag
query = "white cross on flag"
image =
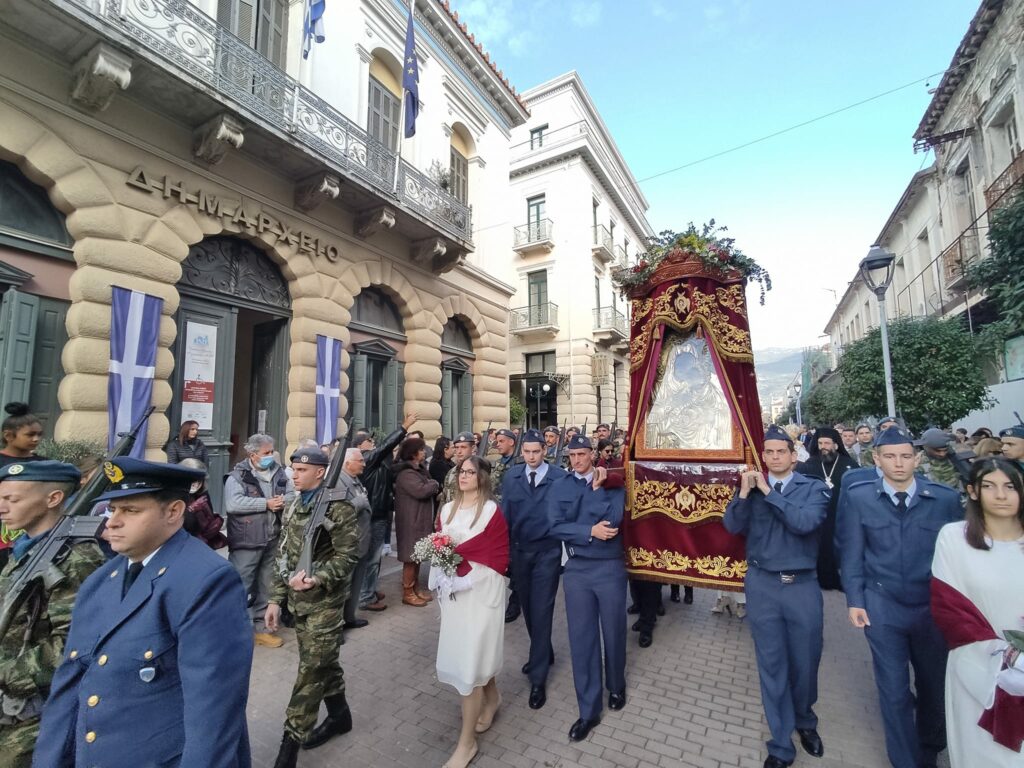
(134, 331)
(328, 387)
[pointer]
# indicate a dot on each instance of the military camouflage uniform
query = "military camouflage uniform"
(940, 470)
(498, 470)
(34, 646)
(318, 611)
(867, 456)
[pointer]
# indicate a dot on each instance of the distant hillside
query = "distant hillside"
(776, 368)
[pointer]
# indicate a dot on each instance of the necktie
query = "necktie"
(778, 487)
(901, 501)
(130, 576)
(533, 479)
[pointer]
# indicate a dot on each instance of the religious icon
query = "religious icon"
(688, 408)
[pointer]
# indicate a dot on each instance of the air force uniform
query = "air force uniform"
(536, 553)
(594, 583)
(886, 541)
(784, 603)
(156, 666)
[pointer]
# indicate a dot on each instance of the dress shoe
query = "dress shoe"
(581, 729)
(511, 613)
(646, 638)
(633, 609)
(673, 593)
(356, 624)
(636, 626)
(526, 668)
(688, 595)
(811, 742)
(339, 721)
(616, 701)
(774, 762)
(377, 606)
(267, 639)
(538, 696)
(288, 754)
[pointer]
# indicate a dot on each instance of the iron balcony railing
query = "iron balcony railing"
(538, 231)
(1007, 180)
(189, 44)
(621, 260)
(533, 316)
(959, 255)
(609, 318)
(602, 237)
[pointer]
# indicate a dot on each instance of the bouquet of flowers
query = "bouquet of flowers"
(438, 550)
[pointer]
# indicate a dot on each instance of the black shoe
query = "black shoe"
(774, 762)
(811, 742)
(356, 624)
(288, 755)
(581, 729)
(688, 595)
(616, 701)
(646, 638)
(538, 696)
(636, 626)
(511, 613)
(633, 609)
(526, 668)
(673, 593)
(339, 721)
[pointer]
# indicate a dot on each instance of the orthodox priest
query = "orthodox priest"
(828, 461)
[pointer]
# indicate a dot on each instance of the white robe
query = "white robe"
(994, 581)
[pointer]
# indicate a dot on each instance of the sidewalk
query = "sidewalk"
(693, 697)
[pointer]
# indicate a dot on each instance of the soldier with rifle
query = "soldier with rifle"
(32, 497)
(317, 554)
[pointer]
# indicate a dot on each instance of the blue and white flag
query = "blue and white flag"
(313, 25)
(328, 388)
(134, 332)
(411, 79)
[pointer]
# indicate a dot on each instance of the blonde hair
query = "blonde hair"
(793, 431)
(483, 487)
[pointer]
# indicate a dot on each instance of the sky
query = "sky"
(677, 81)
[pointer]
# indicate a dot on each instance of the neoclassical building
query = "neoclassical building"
(189, 151)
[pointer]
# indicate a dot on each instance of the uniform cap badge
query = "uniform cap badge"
(113, 472)
(304, 459)
(15, 469)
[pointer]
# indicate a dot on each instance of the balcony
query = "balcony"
(533, 237)
(996, 195)
(960, 254)
(610, 326)
(535, 320)
(602, 243)
(192, 68)
(621, 260)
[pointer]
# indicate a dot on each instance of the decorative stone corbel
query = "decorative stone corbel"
(98, 75)
(425, 252)
(316, 189)
(212, 139)
(375, 220)
(451, 259)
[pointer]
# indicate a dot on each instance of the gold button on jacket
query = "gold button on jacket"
(90, 737)
(102, 660)
(93, 700)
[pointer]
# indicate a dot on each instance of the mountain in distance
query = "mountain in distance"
(776, 369)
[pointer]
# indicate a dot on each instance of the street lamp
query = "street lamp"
(799, 415)
(876, 270)
(537, 391)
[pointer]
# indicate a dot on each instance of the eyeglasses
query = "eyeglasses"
(467, 472)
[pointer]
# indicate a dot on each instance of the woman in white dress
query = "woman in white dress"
(470, 648)
(978, 594)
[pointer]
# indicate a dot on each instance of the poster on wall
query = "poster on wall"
(200, 368)
(1014, 355)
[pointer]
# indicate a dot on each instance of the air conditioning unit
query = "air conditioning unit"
(602, 370)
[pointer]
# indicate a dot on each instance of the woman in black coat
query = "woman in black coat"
(441, 463)
(187, 445)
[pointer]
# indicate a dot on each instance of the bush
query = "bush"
(69, 451)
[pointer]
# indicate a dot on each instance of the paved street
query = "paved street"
(693, 698)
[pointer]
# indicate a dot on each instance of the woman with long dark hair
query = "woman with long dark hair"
(441, 462)
(470, 646)
(187, 445)
(414, 513)
(978, 594)
(21, 432)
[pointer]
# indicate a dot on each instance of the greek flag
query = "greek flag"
(313, 25)
(328, 388)
(134, 331)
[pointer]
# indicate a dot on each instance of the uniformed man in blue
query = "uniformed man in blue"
(536, 554)
(156, 664)
(885, 534)
(586, 517)
(781, 517)
(1012, 439)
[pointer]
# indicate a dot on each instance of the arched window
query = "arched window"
(28, 219)
(461, 151)
(376, 374)
(456, 378)
(385, 96)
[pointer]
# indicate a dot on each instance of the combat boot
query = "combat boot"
(339, 721)
(288, 755)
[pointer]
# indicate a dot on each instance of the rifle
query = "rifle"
(328, 494)
(560, 445)
(485, 439)
(75, 525)
(518, 450)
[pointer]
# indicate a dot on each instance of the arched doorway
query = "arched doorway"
(231, 352)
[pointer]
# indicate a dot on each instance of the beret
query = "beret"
(580, 441)
(46, 471)
(313, 456)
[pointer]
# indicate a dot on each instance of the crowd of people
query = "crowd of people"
(925, 537)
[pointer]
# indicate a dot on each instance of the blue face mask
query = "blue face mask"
(266, 462)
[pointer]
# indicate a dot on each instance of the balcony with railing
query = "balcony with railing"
(536, 319)
(534, 236)
(601, 243)
(959, 255)
(610, 325)
(1000, 191)
(621, 260)
(193, 67)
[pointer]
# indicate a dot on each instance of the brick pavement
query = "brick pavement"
(693, 698)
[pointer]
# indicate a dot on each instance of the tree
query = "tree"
(824, 404)
(1001, 275)
(935, 374)
(516, 411)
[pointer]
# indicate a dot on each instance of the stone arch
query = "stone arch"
(387, 70)
(461, 307)
(462, 140)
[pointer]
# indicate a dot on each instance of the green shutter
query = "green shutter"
(47, 371)
(446, 402)
(18, 316)
(358, 414)
(400, 367)
(389, 408)
(466, 397)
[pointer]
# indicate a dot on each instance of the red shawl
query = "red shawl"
(489, 547)
(962, 623)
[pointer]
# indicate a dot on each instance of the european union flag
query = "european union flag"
(411, 80)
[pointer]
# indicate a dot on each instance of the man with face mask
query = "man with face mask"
(255, 493)
(828, 462)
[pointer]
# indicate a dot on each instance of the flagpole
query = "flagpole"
(401, 112)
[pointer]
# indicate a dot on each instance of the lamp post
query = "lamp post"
(799, 414)
(537, 391)
(876, 270)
